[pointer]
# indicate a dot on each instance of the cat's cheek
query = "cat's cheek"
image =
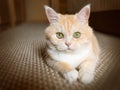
(61, 47)
(74, 46)
(54, 41)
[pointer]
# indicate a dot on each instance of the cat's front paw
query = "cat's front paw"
(86, 78)
(71, 76)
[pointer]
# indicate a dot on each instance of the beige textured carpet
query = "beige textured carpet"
(22, 65)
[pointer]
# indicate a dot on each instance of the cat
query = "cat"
(72, 47)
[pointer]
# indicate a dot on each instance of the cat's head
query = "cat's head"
(68, 32)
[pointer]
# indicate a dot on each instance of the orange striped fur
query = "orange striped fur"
(82, 52)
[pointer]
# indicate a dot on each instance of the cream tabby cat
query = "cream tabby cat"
(72, 47)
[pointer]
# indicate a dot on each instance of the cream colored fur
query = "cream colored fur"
(82, 53)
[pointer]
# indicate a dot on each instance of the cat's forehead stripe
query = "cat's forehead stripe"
(67, 21)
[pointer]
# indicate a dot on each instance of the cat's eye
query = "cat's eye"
(59, 35)
(76, 34)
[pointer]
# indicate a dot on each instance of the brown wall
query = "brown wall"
(35, 10)
(4, 14)
(6, 11)
(97, 5)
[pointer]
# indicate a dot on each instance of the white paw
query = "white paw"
(71, 76)
(86, 78)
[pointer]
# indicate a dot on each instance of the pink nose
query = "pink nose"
(67, 44)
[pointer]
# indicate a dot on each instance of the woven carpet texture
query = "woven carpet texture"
(23, 66)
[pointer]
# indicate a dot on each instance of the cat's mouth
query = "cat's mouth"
(68, 50)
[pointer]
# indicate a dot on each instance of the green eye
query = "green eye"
(76, 34)
(59, 35)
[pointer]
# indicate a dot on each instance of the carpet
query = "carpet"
(23, 66)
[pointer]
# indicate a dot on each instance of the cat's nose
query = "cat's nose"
(67, 44)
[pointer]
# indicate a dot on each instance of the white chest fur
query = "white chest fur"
(73, 58)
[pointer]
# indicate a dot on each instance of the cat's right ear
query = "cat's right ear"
(51, 15)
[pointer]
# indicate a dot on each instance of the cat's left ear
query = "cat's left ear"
(51, 14)
(84, 14)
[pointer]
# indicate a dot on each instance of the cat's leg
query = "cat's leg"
(87, 70)
(68, 72)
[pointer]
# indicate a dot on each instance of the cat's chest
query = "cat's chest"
(73, 59)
